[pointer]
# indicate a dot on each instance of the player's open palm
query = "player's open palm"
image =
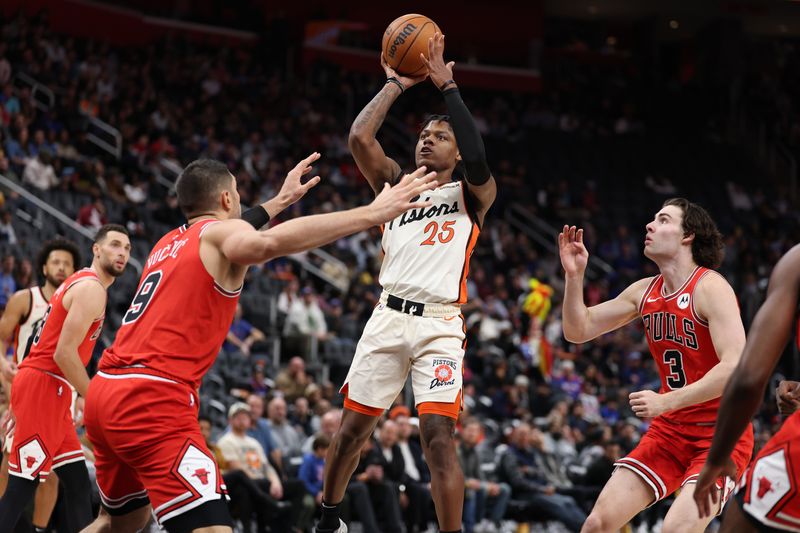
(407, 81)
(574, 256)
(394, 201)
(293, 187)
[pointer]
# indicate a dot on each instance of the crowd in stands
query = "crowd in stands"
(544, 420)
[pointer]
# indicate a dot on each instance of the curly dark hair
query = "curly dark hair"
(708, 248)
(57, 244)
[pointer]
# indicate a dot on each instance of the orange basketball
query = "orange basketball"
(404, 40)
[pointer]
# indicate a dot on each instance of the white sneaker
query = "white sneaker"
(342, 527)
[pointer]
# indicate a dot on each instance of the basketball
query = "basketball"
(404, 40)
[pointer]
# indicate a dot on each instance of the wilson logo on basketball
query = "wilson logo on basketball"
(401, 38)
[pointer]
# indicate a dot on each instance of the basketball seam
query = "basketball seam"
(411, 44)
(395, 32)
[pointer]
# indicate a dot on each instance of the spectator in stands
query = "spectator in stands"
(329, 425)
(39, 172)
(93, 214)
(485, 501)
(519, 469)
(284, 434)
(242, 334)
(7, 233)
(568, 382)
(260, 429)
(301, 416)
(383, 494)
(305, 321)
(313, 466)
(17, 150)
(24, 275)
(288, 296)
(600, 470)
(292, 381)
(242, 452)
(8, 285)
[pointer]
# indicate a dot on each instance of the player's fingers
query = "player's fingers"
(310, 183)
(579, 236)
(451, 64)
(425, 60)
(418, 173)
(415, 205)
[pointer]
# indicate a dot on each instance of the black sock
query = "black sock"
(19, 492)
(330, 517)
(456, 531)
(37, 529)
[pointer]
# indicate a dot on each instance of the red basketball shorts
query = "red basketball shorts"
(148, 444)
(769, 491)
(670, 455)
(45, 436)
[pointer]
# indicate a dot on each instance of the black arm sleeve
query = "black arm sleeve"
(257, 216)
(469, 140)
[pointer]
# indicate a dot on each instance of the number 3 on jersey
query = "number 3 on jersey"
(143, 297)
(445, 236)
(676, 378)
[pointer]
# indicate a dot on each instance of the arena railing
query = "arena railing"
(104, 128)
(37, 89)
(48, 209)
(544, 234)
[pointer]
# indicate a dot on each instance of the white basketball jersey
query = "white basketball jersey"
(26, 328)
(428, 249)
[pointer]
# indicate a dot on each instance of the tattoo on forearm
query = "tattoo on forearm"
(373, 115)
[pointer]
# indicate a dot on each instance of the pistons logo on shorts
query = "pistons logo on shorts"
(443, 373)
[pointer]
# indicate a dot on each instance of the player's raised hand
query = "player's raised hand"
(394, 201)
(706, 494)
(788, 396)
(407, 81)
(293, 187)
(574, 256)
(439, 71)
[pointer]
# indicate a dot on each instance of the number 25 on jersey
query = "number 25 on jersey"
(432, 232)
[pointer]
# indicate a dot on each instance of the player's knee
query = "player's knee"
(595, 523)
(440, 452)
(349, 440)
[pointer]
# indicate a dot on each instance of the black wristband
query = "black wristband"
(256, 216)
(396, 82)
(447, 84)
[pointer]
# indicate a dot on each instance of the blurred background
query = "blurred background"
(593, 113)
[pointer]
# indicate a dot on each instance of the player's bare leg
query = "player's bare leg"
(447, 480)
(131, 522)
(683, 517)
(344, 453)
(623, 497)
(735, 521)
(45, 501)
(213, 529)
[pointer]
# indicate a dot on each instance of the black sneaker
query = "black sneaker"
(341, 529)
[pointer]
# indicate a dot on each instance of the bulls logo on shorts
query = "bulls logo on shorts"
(31, 458)
(199, 471)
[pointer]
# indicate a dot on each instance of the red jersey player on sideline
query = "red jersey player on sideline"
(44, 437)
(767, 500)
(141, 410)
(696, 337)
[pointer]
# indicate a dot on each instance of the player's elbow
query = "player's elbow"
(574, 335)
(359, 139)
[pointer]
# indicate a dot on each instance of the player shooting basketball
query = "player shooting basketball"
(417, 326)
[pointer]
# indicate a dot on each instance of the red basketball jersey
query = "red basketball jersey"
(45, 339)
(179, 316)
(680, 343)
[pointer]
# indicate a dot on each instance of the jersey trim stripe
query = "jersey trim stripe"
(225, 292)
(695, 314)
(647, 293)
(473, 239)
(135, 376)
(682, 288)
